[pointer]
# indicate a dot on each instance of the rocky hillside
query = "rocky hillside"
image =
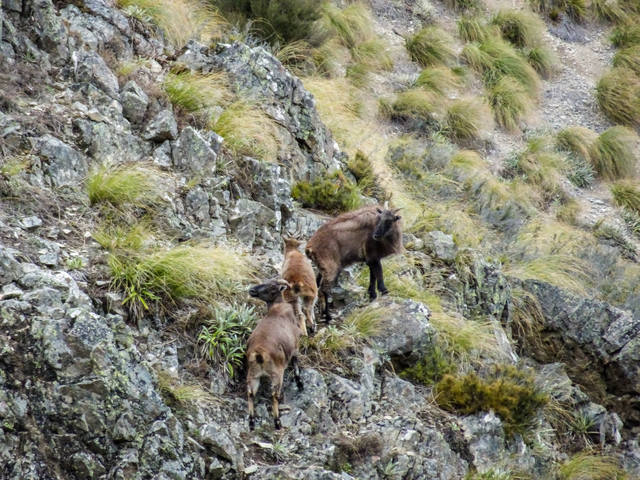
(153, 154)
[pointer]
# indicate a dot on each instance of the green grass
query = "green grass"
(519, 27)
(473, 29)
(542, 60)
(352, 25)
(373, 54)
(247, 130)
(368, 182)
(618, 94)
(195, 92)
(628, 58)
(417, 104)
(464, 5)
(439, 80)
(430, 368)
(609, 11)
(538, 165)
(510, 102)
(562, 270)
(223, 337)
(333, 193)
(576, 140)
(574, 9)
(627, 34)
(591, 466)
(504, 60)
(580, 172)
(613, 154)
(467, 119)
(136, 185)
(626, 194)
(431, 46)
(510, 393)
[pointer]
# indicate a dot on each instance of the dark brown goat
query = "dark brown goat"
(298, 271)
(364, 235)
(272, 345)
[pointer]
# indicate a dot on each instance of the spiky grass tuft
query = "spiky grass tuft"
(574, 9)
(179, 20)
(439, 80)
(564, 271)
(613, 153)
(136, 185)
(588, 465)
(609, 11)
(509, 101)
(627, 195)
(195, 92)
(542, 60)
(467, 119)
(352, 25)
(506, 61)
(628, 58)
(473, 29)
(247, 130)
(417, 104)
(626, 34)
(618, 94)
(431, 46)
(577, 140)
(520, 28)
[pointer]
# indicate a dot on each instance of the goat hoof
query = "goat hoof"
(299, 385)
(277, 423)
(252, 424)
(384, 292)
(373, 296)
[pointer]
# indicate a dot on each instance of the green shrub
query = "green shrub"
(626, 35)
(613, 153)
(430, 368)
(510, 393)
(223, 337)
(509, 101)
(431, 46)
(628, 58)
(618, 94)
(333, 193)
(466, 119)
(542, 60)
(473, 29)
(627, 195)
(590, 466)
(137, 185)
(439, 80)
(368, 182)
(520, 28)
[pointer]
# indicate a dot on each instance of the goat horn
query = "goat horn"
(386, 205)
(396, 210)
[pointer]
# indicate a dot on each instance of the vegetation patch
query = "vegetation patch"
(626, 34)
(368, 182)
(627, 195)
(430, 368)
(467, 119)
(431, 46)
(418, 105)
(618, 95)
(510, 102)
(613, 153)
(136, 185)
(333, 193)
(473, 29)
(509, 392)
(439, 80)
(542, 60)
(195, 92)
(576, 140)
(574, 9)
(591, 466)
(519, 27)
(628, 58)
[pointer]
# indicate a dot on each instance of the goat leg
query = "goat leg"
(296, 373)
(378, 274)
(372, 280)
(276, 390)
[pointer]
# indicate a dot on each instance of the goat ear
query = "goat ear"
(378, 210)
(398, 217)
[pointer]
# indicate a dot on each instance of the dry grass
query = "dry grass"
(439, 80)
(627, 194)
(197, 92)
(135, 185)
(613, 154)
(577, 140)
(510, 102)
(618, 94)
(431, 46)
(628, 58)
(519, 27)
(467, 119)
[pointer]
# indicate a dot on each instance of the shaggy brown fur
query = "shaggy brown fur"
(298, 271)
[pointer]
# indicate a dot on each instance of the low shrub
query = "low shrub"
(333, 193)
(510, 393)
(430, 368)
(368, 182)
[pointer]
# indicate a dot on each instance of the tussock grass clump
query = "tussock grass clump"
(180, 393)
(609, 10)
(520, 28)
(627, 34)
(542, 60)
(417, 104)
(333, 193)
(430, 46)
(510, 102)
(503, 61)
(627, 195)
(473, 29)
(373, 54)
(591, 466)
(562, 270)
(466, 119)
(137, 185)
(618, 94)
(195, 92)
(510, 393)
(628, 58)
(352, 25)
(541, 167)
(179, 20)
(464, 5)
(613, 153)
(247, 130)
(574, 9)
(577, 140)
(200, 273)
(368, 181)
(439, 80)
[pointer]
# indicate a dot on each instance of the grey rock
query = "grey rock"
(62, 164)
(110, 142)
(162, 155)
(485, 438)
(251, 222)
(441, 245)
(197, 205)
(49, 259)
(30, 223)
(162, 127)
(91, 68)
(51, 33)
(193, 153)
(218, 440)
(134, 102)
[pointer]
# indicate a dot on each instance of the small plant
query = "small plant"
(579, 171)
(628, 58)
(591, 466)
(509, 101)
(577, 140)
(520, 28)
(368, 182)
(626, 34)
(247, 130)
(618, 94)
(430, 46)
(418, 105)
(223, 338)
(197, 92)
(510, 393)
(627, 195)
(542, 60)
(613, 153)
(75, 263)
(333, 193)
(431, 368)
(472, 29)
(632, 221)
(14, 165)
(138, 185)
(439, 80)
(466, 119)
(178, 392)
